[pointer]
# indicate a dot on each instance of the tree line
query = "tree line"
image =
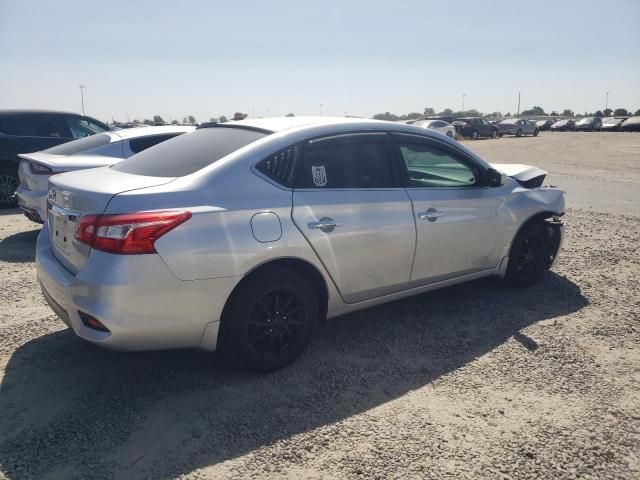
(533, 111)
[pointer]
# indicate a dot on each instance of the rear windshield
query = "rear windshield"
(80, 145)
(188, 153)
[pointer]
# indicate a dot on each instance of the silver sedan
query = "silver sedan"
(517, 127)
(246, 235)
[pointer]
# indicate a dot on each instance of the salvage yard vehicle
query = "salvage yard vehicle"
(589, 124)
(437, 125)
(567, 125)
(544, 125)
(24, 131)
(612, 124)
(474, 128)
(631, 124)
(243, 236)
(99, 150)
(517, 127)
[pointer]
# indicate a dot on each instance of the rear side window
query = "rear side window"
(353, 161)
(189, 153)
(80, 145)
(137, 145)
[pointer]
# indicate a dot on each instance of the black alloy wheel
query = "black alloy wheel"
(269, 320)
(530, 255)
(9, 183)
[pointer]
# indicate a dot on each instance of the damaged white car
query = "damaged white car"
(245, 235)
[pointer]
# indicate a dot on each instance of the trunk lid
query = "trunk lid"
(84, 192)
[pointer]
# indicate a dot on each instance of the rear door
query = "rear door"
(350, 205)
(457, 217)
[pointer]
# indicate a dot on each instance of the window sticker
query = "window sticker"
(319, 175)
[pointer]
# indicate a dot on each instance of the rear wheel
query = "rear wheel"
(474, 135)
(519, 133)
(536, 132)
(270, 320)
(529, 255)
(449, 134)
(9, 183)
(494, 134)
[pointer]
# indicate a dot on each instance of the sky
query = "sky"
(206, 58)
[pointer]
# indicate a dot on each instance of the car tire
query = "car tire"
(9, 182)
(449, 134)
(519, 133)
(474, 135)
(270, 320)
(536, 132)
(529, 255)
(494, 134)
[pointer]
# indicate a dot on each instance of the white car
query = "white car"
(99, 150)
(437, 125)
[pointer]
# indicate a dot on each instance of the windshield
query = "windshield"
(80, 145)
(189, 153)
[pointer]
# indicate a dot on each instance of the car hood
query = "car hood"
(70, 162)
(519, 172)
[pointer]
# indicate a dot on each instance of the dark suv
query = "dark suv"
(475, 127)
(26, 131)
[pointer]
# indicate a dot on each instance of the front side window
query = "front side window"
(352, 161)
(430, 166)
(81, 127)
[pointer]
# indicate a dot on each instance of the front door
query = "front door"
(355, 214)
(457, 217)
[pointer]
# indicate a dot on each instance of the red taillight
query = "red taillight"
(127, 233)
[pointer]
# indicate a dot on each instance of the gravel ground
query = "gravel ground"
(474, 381)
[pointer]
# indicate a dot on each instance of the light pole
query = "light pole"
(82, 96)
(463, 95)
(606, 103)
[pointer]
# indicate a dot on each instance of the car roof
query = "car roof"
(136, 132)
(27, 111)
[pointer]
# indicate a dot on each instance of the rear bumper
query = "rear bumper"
(136, 297)
(33, 202)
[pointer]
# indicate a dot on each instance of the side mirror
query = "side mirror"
(495, 178)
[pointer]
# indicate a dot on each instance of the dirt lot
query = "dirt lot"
(475, 381)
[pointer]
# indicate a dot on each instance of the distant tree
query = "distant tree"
(239, 116)
(495, 115)
(533, 111)
(157, 119)
(637, 112)
(599, 113)
(469, 113)
(290, 115)
(184, 120)
(410, 116)
(621, 112)
(508, 114)
(428, 112)
(192, 119)
(136, 121)
(607, 112)
(222, 119)
(554, 113)
(567, 113)
(174, 122)
(386, 116)
(447, 112)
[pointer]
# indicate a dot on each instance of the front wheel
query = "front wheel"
(270, 320)
(536, 132)
(519, 133)
(494, 134)
(529, 255)
(9, 183)
(474, 135)
(449, 134)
